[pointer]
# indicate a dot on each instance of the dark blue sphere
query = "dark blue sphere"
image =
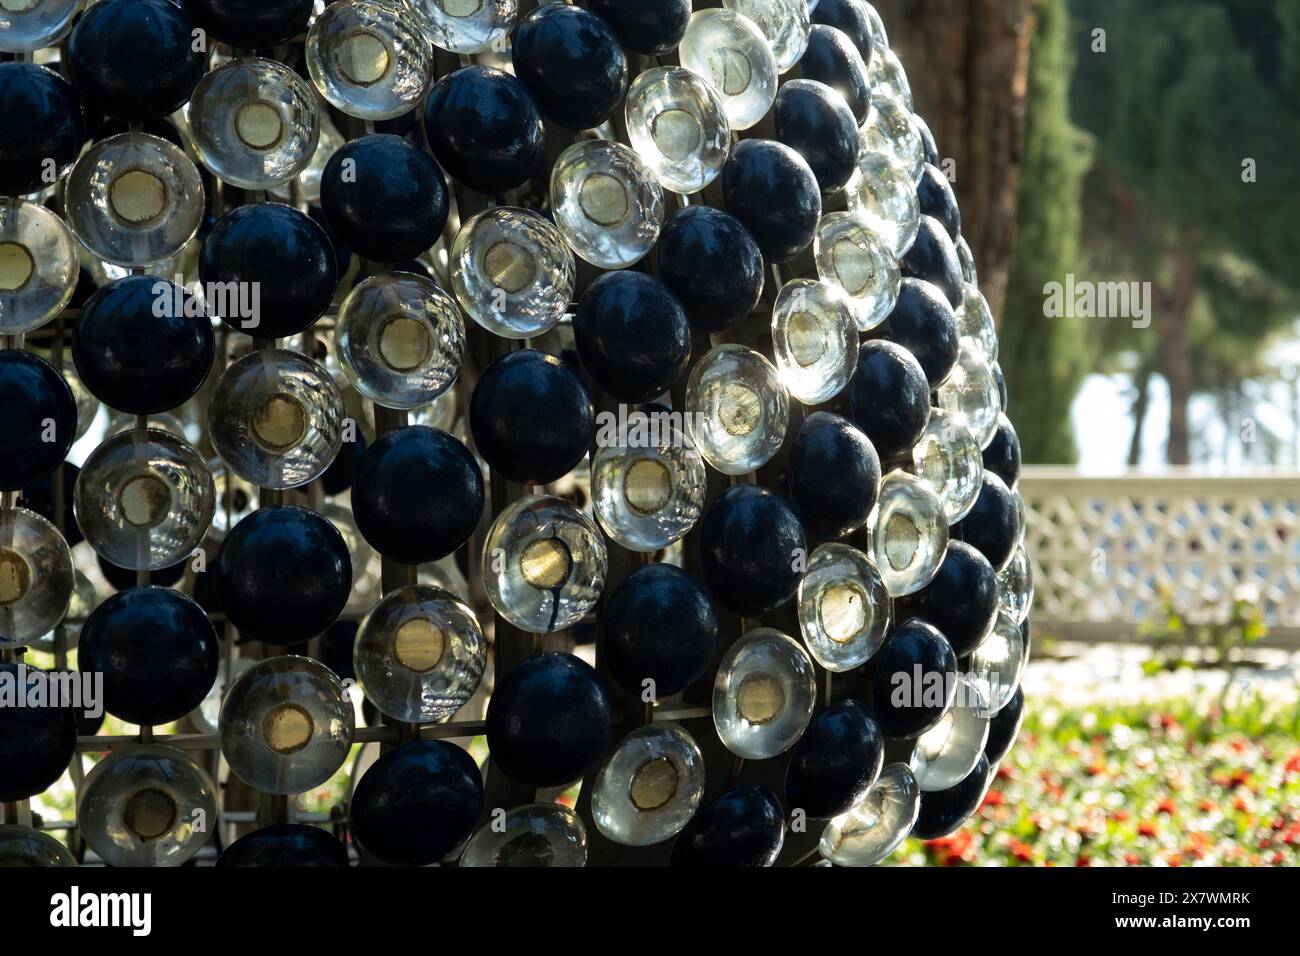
(1005, 727)
(818, 125)
(943, 811)
(548, 720)
(283, 575)
(417, 802)
(750, 541)
(933, 257)
(157, 652)
(961, 599)
(286, 253)
(1002, 454)
(924, 323)
(136, 351)
(384, 197)
(891, 398)
(772, 190)
(123, 579)
(850, 16)
(714, 266)
(993, 525)
(652, 27)
(659, 625)
(37, 405)
(928, 145)
(135, 59)
(937, 199)
(36, 743)
(286, 844)
(835, 762)
(831, 58)
(632, 335)
(42, 119)
(251, 24)
(571, 62)
(915, 680)
(484, 128)
(417, 495)
(531, 417)
(743, 827)
(834, 476)
(339, 475)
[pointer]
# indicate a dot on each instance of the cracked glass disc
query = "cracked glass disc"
(877, 825)
(276, 418)
(512, 272)
(651, 786)
(36, 581)
(843, 607)
(947, 458)
(38, 266)
(677, 125)
(909, 533)
(889, 129)
(814, 340)
(254, 122)
(147, 805)
(975, 328)
(854, 257)
(880, 193)
(733, 57)
(1016, 585)
(400, 339)
(286, 725)
(544, 564)
(28, 25)
(467, 26)
(999, 662)
(784, 24)
(370, 58)
(419, 654)
(144, 499)
(606, 203)
(946, 753)
(134, 199)
(736, 409)
(647, 498)
(22, 846)
(885, 72)
(970, 394)
(534, 835)
(763, 694)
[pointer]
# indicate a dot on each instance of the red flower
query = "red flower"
(1132, 859)
(1022, 851)
(1208, 806)
(1083, 860)
(1146, 829)
(993, 798)
(1166, 807)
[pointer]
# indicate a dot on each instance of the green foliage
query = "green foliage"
(1172, 636)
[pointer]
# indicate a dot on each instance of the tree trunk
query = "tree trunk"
(1142, 379)
(1174, 304)
(967, 62)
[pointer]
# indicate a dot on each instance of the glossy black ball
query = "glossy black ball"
(743, 827)
(157, 652)
(283, 574)
(417, 802)
(915, 680)
(384, 197)
(891, 398)
(632, 335)
(251, 23)
(993, 524)
(36, 743)
(659, 625)
(1002, 384)
(135, 59)
(42, 119)
(134, 359)
(924, 323)
(417, 495)
(548, 720)
(943, 811)
(936, 198)
(772, 190)
(834, 475)
(1002, 454)
(961, 599)
(484, 128)
(929, 148)
(818, 125)
(284, 251)
(1005, 727)
(342, 471)
(712, 263)
(835, 762)
(749, 541)
(831, 58)
(652, 27)
(571, 62)
(286, 844)
(933, 257)
(122, 579)
(850, 16)
(531, 417)
(37, 406)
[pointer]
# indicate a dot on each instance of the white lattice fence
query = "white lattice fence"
(1104, 549)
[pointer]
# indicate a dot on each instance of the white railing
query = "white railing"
(1105, 549)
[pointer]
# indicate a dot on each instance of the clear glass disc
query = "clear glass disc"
(814, 340)
(606, 203)
(970, 393)
(880, 193)
(975, 327)
(763, 694)
(967, 260)
(889, 129)
(677, 125)
(851, 255)
(885, 72)
(22, 847)
(651, 786)
(999, 662)
(1016, 585)
(784, 24)
(731, 54)
(947, 458)
(467, 26)
(877, 826)
(843, 607)
(736, 409)
(534, 835)
(29, 25)
(38, 266)
(646, 498)
(946, 753)
(36, 582)
(909, 533)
